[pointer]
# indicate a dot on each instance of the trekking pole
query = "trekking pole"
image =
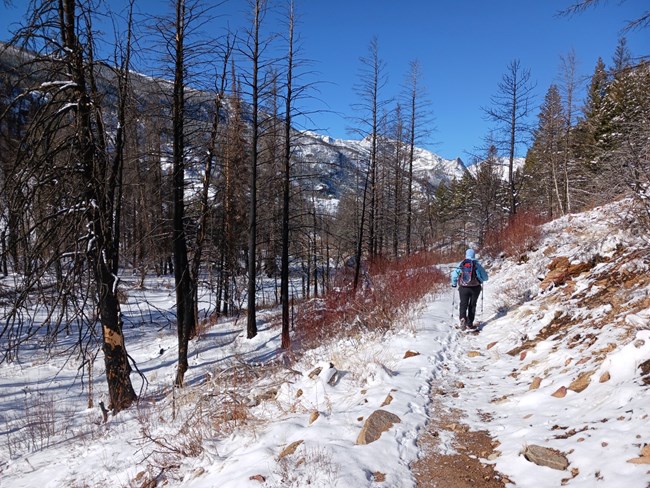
(453, 301)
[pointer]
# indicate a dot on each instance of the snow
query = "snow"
(243, 403)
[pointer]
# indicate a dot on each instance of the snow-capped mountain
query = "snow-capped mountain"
(335, 164)
(501, 166)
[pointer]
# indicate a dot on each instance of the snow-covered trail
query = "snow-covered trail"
(371, 369)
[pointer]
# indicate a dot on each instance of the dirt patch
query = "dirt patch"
(462, 469)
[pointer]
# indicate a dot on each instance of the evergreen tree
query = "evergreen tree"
(622, 57)
(549, 149)
(486, 207)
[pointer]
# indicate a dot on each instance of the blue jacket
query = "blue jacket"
(481, 274)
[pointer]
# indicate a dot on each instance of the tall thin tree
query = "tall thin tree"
(254, 53)
(510, 109)
(185, 309)
(286, 186)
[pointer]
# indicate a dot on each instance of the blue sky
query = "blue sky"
(463, 47)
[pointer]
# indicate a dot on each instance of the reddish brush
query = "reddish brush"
(520, 234)
(390, 288)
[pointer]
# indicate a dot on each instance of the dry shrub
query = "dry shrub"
(308, 466)
(390, 288)
(35, 428)
(513, 296)
(520, 235)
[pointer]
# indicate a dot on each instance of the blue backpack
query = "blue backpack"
(468, 273)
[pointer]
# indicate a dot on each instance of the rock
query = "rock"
(387, 400)
(378, 477)
(376, 424)
(645, 451)
(500, 400)
(313, 416)
(558, 273)
(473, 354)
(544, 456)
(491, 345)
(290, 449)
(645, 372)
(410, 354)
(334, 377)
(456, 427)
(560, 392)
(522, 355)
(639, 460)
(315, 373)
(535, 384)
(258, 477)
(644, 458)
(581, 382)
(605, 377)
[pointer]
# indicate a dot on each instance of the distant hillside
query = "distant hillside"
(327, 166)
(334, 163)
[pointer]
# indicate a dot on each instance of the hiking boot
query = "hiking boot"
(463, 323)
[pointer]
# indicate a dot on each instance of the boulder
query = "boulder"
(581, 382)
(376, 424)
(545, 456)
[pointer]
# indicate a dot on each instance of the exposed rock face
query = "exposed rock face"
(557, 274)
(376, 424)
(561, 270)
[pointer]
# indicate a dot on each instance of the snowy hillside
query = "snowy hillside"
(334, 165)
(562, 363)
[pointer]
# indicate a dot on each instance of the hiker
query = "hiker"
(468, 276)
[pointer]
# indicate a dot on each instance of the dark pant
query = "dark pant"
(468, 300)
